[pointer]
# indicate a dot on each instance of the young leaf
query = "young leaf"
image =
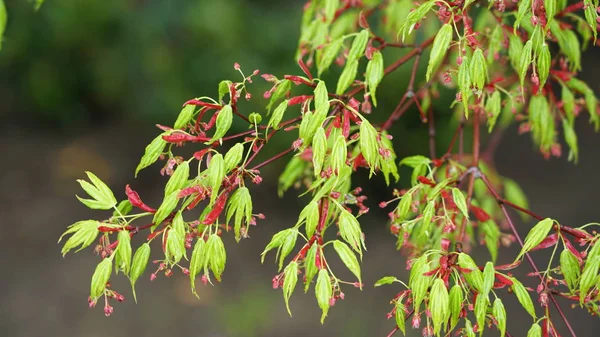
(178, 179)
(478, 69)
(276, 242)
(475, 277)
(569, 266)
(277, 115)
(414, 17)
(2, 21)
(310, 266)
(223, 123)
(524, 61)
(481, 304)
(536, 235)
(543, 63)
(198, 262)
(404, 206)
(217, 256)
(349, 259)
(385, 280)
(85, 233)
(358, 46)
(589, 276)
(439, 49)
(571, 139)
(535, 331)
(461, 203)
(524, 7)
(329, 54)
(374, 74)
(319, 149)
(100, 278)
(167, 206)
(124, 251)
(550, 6)
(330, 8)
(290, 278)
(184, 116)
(515, 49)
(493, 107)
(464, 83)
(438, 304)
(216, 174)
(339, 153)
(500, 315)
(138, 265)
(281, 90)
(233, 156)
(456, 298)
(428, 214)
(523, 296)
(400, 316)
(368, 144)
(152, 153)
(488, 278)
(347, 77)
(323, 292)
(321, 98)
(591, 16)
(350, 230)
(288, 244)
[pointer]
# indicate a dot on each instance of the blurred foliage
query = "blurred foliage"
(86, 61)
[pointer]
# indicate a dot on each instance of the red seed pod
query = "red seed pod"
(549, 241)
(298, 99)
(426, 181)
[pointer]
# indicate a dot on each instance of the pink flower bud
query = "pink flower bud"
(236, 66)
(108, 310)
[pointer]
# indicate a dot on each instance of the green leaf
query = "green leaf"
(152, 153)
(439, 304)
(330, 8)
(216, 174)
(514, 193)
(461, 203)
(288, 244)
(524, 62)
(591, 16)
(456, 298)
(198, 262)
(310, 214)
(217, 256)
(515, 50)
(418, 282)
(488, 278)
(543, 63)
(321, 96)
(523, 296)
(535, 331)
(2, 21)
(536, 235)
(100, 278)
(374, 74)
(569, 266)
(571, 139)
(568, 100)
(428, 214)
(347, 77)
(385, 280)
(330, 52)
(589, 276)
(123, 208)
(138, 265)
(349, 259)
(404, 206)
(276, 241)
(493, 106)
(310, 266)
(439, 49)
(481, 304)
(358, 46)
(464, 83)
(175, 246)
(414, 17)
(500, 315)
(469, 328)
(475, 277)
(550, 6)
(184, 117)
(124, 251)
(223, 123)
(414, 161)
(368, 144)
(165, 209)
(339, 154)
(350, 230)
(233, 156)
(323, 292)
(85, 233)
(280, 92)
(400, 316)
(524, 7)
(178, 179)
(277, 115)
(478, 69)
(224, 89)
(290, 278)
(319, 149)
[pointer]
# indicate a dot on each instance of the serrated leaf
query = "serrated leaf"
(385, 280)
(414, 17)
(439, 304)
(350, 231)
(569, 266)
(404, 206)
(591, 16)
(85, 233)
(475, 277)
(280, 92)
(543, 63)
(481, 304)
(330, 52)
(166, 207)
(216, 174)
(369, 146)
(290, 278)
(100, 278)
(358, 46)
(223, 123)
(217, 256)
(439, 49)
(124, 251)
(428, 214)
(347, 77)
(536, 235)
(535, 331)
(319, 149)
(323, 292)
(321, 98)
(515, 49)
(524, 7)
(178, 179)
(197, 262)
(152, 153)
(330, 8)
(493, 106)
(138, 265)
(523, 296)
(224, 89)
(464, 83)
(459, 200)
(499, 313)
(286, 247)
(400, 317)
(571, 140)
(339, 154)
(374, 74)
(349, 259)
(310, 214)
(589, 276)
(488, 278)
(233, 156)
(310, 266)
(478, 69)
(456, 298)
(524, 62)
(277, 115)
(184, 117)
(276, 241)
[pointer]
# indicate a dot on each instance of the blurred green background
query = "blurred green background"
(82, 84)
